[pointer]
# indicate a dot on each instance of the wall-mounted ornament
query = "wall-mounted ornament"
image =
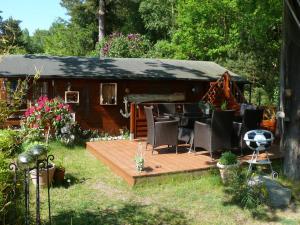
(72, 97)
(126, 114)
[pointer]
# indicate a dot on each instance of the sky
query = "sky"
(34, 14)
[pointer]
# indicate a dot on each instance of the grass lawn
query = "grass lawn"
(98, 196)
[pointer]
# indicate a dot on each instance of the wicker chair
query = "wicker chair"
(166, 109)
(217, 134)
(160, 132)
(251, 120)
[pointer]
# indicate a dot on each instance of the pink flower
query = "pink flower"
(35, 125)
(60, 105)
(47, 109)
(58, 118)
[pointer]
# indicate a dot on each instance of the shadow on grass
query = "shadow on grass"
(69, 181)
(127, 214)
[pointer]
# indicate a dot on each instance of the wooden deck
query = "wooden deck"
(119, 155)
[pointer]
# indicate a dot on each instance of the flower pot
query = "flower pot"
(226, 170)
(43, 176)
(59, 175)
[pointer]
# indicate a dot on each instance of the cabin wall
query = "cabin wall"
(107, 118)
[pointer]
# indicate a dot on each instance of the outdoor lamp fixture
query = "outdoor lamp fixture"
(69, 86)
(39, 152)
(25, 162)
(127, 90)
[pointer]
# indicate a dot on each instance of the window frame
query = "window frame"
(115, 93)
(72, 92)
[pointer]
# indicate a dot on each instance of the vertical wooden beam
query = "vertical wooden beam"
(2, 89)
(132, 121)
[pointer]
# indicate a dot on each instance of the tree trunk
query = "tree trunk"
(290, 89)
(101, 20)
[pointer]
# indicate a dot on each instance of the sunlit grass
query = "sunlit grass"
(98, 196)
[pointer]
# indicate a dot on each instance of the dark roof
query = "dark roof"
(111, 68)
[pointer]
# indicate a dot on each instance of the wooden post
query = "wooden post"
(2, 90)
(132, 121)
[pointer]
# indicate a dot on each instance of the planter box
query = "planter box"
(225, 171)
(59, 175)
(42, 176)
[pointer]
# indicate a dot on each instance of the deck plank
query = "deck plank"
(119, 155)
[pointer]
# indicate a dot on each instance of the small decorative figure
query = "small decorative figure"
(126, 114)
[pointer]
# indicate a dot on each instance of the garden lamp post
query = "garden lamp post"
(25, 162)
(39, 153)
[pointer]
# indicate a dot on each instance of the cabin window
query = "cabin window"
(40, 89)
(108, 93)
(72, 97)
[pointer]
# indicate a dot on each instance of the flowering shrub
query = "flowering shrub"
(48, 113)
(126, 46)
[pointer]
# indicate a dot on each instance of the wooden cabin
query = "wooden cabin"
(95, 87)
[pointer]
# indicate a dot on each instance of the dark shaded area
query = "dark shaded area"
(128, 214)
(289, 83)
(69, 181)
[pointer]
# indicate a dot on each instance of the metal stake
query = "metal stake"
(14, 168)
(26, 190)
(38, 219)
(50, 157)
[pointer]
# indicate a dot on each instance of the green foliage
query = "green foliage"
(246, 195)
(36, 42)
(31, 134)
(126, 46)
(11, 37)
(29, 145)
(10, 212)
(162, 49)
(10, 142)
(224, 105)
(228, 158)
(73, 134)
(204, 31)
(158, 17)
(68, 39)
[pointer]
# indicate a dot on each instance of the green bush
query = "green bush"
(29, 145)
(228, 158)
(31, 135)
(163, 49)
(10, 142)
(125, 46)
(74, 134)
(246, 195)
(10, 211)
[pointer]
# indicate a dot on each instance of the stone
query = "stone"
(279, 196)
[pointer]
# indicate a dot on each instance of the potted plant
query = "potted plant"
(224, 106)
(226, 164)
(139, 158)
(59, 174)
(43, 175)
(205, 107)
